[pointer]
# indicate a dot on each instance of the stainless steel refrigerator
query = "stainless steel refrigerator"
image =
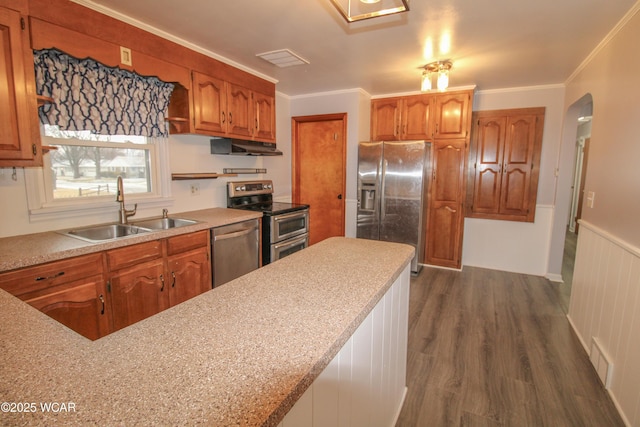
(392, 193)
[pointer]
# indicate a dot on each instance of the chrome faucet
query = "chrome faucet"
(124, 213)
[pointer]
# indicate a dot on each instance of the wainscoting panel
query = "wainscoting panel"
(605, 304)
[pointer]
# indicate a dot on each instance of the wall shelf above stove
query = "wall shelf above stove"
(206, 175)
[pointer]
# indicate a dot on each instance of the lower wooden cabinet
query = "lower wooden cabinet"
(72, 291)
(103, 292)
(180, 271)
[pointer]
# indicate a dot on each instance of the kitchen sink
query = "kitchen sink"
(163, 223)
(100, 233)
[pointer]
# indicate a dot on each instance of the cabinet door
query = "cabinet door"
(452, 115)
(239, 111)
(81, 307)
(265, 117)
(189, 275)
(385, 119)
(209, 103)
(518, 165)
(138, 292)
(19, 134)
(416, 116)
(489, 142)
(444, 232)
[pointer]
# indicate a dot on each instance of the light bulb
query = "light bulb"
(426, 81)
(443, 79)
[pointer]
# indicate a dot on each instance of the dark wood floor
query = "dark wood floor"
(490, 348)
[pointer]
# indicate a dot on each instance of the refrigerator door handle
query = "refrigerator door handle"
(385, 163)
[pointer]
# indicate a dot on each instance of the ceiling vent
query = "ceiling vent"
(283, 58)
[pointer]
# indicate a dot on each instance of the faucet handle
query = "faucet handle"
(165, 213)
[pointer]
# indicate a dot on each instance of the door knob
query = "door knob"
(339, 196)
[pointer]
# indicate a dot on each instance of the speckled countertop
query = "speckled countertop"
(27, 250)
(238, 355)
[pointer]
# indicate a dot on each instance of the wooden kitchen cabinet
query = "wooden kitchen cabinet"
(150, 277)
(71, 291)
(19, 132)
(401, 118)
(452, 111)
(505, 163)
(222, 108)
(446, 203)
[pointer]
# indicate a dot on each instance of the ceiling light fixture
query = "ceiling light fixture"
(358, 10)
(439, 68)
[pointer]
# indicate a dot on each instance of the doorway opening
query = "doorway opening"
(577, 196)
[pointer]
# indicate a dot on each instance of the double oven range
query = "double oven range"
(285, 226)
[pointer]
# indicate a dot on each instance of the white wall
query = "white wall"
(515, 246)
(605, 293)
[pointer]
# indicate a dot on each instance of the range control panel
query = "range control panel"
(249, 188)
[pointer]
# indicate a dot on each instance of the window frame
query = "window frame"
(43, 207)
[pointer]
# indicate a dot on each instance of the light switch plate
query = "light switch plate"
(125, 56)
(590, 199)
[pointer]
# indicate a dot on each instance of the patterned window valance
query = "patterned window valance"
(88, 95)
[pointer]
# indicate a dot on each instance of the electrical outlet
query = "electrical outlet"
(195, 189)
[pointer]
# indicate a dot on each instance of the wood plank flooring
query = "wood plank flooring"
(491, 348)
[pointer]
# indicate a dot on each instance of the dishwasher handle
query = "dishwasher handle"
(225, 236)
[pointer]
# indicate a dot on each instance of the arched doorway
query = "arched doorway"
(567, 200)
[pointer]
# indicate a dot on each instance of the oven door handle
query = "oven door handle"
(234, 234)
(286, 216)
(291, 242)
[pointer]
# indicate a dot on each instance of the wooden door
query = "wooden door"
(444, 230)
(209, 103)
(416, 117)
(81, 306)
(385, 119)
(451, 115)
(138, 292)
(319, 168)
(189, 275)
(239, 111)
(19, 133)
(265, 117)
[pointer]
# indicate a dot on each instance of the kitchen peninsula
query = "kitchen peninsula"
(240, 354)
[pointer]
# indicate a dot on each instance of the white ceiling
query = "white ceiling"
(494, 43)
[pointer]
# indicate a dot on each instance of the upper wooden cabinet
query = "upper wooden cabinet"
(19, 133)
(401, 118)
(421, 117)
(452, 115)
(221, 108)
(505, 164)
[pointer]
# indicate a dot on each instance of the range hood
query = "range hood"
(240, 147)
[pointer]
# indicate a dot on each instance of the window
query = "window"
(86, 165)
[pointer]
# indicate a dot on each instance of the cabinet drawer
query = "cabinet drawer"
(134, 254)
(187, 242)
(26, 282)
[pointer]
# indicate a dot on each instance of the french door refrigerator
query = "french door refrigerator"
(392, 193)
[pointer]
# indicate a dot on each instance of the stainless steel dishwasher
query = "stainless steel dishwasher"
(236, 249)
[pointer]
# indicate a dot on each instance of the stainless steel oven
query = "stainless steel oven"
(285, 226)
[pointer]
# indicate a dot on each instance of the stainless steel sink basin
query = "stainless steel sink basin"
(100, 233)
(163, 223)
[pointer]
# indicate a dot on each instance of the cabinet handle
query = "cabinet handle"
(101, 298)
(230, 118)
(173, 275)
(39, 278)
(451, 210)
(224, 117)
(162, 280)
